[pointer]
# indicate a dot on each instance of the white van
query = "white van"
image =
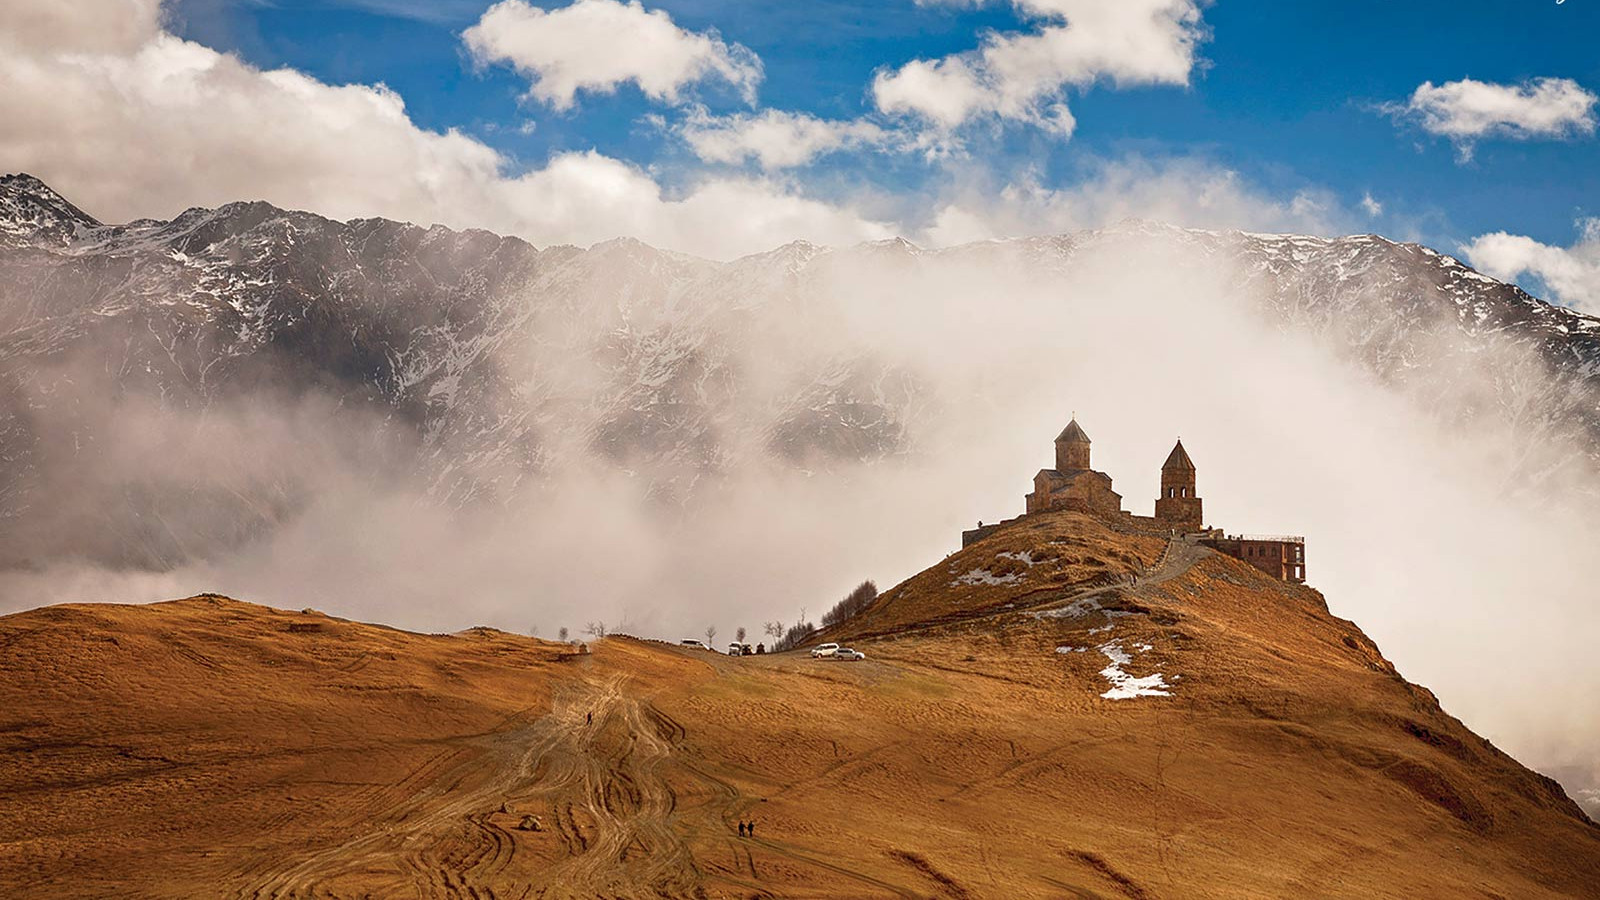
(824, 651)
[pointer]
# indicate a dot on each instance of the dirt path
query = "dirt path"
(617, 779)
(651, 809)
(620, 808)
(1182, 552)
(434, 833)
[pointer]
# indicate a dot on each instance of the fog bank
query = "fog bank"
(1472, 582)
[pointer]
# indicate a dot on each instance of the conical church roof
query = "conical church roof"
(1178, 459)
(1072, 434)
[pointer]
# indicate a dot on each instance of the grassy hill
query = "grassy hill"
(1028, 723)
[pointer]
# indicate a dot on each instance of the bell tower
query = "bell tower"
(1179, 505)
(1072, 448)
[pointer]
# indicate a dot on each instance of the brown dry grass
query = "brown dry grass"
(213, 748)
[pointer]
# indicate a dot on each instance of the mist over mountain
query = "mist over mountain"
(435, 428)
(481, 365)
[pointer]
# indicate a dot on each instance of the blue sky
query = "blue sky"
(1286, 94)
(726, 127)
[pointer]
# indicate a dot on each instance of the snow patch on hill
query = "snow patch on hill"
(1123, 685)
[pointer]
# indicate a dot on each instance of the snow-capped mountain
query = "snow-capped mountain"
(479, 363)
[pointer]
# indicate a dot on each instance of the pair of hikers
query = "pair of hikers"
(747, 829)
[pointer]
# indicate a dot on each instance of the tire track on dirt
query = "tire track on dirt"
(411, 830)
(607, 765)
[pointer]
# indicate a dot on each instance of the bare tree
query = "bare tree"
(858, 600)
(562, 634)
(711, 635)
(595, 629)
(793, 635)
(739, 634)
(773, 630)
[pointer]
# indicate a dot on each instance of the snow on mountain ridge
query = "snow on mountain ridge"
(31, 213)
(496, 358)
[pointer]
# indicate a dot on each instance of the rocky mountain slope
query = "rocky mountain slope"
(1027, 723)
(474, 365)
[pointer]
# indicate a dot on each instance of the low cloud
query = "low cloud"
(1468, 111)
(759, 538)
(583, 198)
(600, 45)
(1189, 192)
(1571, 274)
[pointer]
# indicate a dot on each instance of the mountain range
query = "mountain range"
(479, 364)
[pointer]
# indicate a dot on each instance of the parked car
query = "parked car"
(692, 643)
(824, 651)
(846, 654)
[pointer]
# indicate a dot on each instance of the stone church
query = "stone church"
(1072, 484)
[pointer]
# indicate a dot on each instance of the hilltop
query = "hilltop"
(1028, 723)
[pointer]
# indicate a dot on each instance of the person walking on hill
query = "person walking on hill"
(750, 828)
(741, 829)
(591, 719)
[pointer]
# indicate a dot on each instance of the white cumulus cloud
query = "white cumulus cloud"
(1571, 274)
(1022, 76)
(946, 91)
(90, 27)
(1467, 111)
(599, 45)
(128, 120)
(775, 139)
